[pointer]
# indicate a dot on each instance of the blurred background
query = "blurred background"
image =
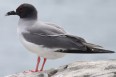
(94, 20)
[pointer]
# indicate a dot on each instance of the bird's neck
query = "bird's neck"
(27, 22)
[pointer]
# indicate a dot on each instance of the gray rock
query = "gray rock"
(78, 69)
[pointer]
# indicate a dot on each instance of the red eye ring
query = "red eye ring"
(21, 9)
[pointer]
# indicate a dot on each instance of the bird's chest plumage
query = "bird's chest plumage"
(38, 49)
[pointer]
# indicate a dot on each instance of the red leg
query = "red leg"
(43, 64)
(37, 65)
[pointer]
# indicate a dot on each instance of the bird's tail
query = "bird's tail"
(96, 48)
(88, 51)
(91, 49)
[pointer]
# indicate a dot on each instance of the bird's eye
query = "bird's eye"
(21, 9)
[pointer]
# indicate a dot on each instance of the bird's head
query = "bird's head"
(24, 11)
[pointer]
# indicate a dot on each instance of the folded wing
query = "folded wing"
(51, 36)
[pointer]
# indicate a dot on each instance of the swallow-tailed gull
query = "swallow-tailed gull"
(48, 40)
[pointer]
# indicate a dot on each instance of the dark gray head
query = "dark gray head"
(25, 11)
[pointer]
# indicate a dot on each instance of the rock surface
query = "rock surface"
(78, 69)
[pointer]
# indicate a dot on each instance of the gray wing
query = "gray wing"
(60, 41)
(64, 43)
(52, 36)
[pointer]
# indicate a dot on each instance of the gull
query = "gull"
(48, 40)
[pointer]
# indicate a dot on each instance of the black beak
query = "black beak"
(11, 13)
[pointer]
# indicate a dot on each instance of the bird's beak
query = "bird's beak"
(11, 13)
